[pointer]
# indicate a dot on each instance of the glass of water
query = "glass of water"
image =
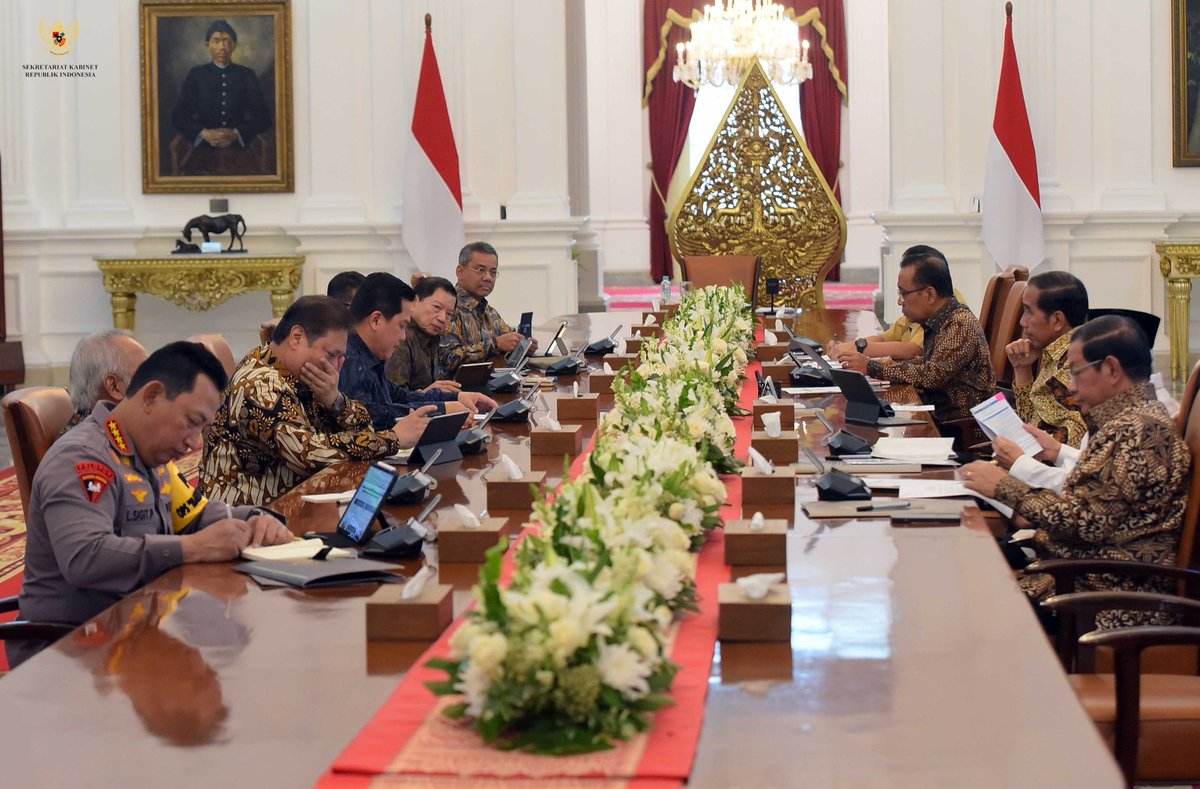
(685, 288)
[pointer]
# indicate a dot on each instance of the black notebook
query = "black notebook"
(312, 574)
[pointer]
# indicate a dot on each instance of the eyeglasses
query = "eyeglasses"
(904, 294)
(1075, 371)
(485, 272)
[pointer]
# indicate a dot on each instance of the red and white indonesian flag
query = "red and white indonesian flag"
(1012, 203)
(432, 226)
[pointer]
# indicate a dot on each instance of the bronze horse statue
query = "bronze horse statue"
(218, 224)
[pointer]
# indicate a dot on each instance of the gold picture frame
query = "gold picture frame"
(216, 107)
(1185, 82)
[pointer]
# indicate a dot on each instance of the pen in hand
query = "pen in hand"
(902, 505)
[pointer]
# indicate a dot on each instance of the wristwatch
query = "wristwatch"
(861, 344)
(338, 404)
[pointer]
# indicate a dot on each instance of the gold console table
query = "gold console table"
(197, 282)
(1179, 262)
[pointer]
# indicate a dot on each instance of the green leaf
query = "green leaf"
(456, 711)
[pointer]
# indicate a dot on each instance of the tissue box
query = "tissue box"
(600, 382)
(459, 544)
(746, 547)
(633, 345)
(391, 618)
(784, 450)
(771, 352)
(586, 406)
(511, 494)
(647, 331)
(779, 371)
(620, 361)
(568, 441)
(659, 315)
(741, 619)
(748, 662)
(777, 488)
(786, 410)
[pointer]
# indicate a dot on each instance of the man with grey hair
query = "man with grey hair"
(476, 331)
(102, 365)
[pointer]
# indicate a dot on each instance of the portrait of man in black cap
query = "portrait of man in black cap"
(216, 96)
(221, 111)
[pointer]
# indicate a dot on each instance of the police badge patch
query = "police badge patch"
(94, 477)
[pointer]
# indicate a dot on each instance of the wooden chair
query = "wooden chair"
(33, 418)
(1152, 721)
(705, 270)
(996, 294)
(1006, 328)
(219, 347)
(265, 329)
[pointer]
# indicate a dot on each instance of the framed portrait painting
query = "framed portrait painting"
(1185, 73)
(216, 96)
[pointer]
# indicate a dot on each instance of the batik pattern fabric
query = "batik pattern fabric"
(414, 363)
(955, 369)
(471, 336)
(271, 433)
(1046, 402)
(1125, 499)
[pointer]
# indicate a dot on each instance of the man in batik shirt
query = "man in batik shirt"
(1125, 498)
(283, 418)
(477, 332)
(1054, 305)
(955, 370)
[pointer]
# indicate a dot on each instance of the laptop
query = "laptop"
(354, 530)
(474, 375)
(863, 405)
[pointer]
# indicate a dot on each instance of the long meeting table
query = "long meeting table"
(914, 659)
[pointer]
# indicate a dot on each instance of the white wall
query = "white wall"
(72, 160)
(1097, 82)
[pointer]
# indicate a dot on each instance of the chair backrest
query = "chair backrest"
(1188, 425)
(705, 270)
(995, 296)
(1149, 323)
(219, 347)
(265, 329)
(1006, 329)
(33, 418)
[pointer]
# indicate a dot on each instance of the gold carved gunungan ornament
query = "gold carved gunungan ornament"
(759, 192)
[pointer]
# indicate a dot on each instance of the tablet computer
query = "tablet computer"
(550, 348)
(354, 528)
(518, 353)
(474, 375)
(438, 430)
(525, 327)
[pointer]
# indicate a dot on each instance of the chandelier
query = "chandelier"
(731, 34)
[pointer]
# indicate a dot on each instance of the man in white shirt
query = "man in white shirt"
(1032, 470)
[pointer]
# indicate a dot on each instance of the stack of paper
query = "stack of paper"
(997, 418)
(931, 451)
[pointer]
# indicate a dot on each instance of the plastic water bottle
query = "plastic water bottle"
(666, 289)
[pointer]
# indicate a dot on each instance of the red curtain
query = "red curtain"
(820, 97)
(670, 104)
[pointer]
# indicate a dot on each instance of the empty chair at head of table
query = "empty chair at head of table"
(705, 270)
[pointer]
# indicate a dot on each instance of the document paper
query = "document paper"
(997, 418)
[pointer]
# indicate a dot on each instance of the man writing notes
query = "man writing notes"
(381, 311)
(954, 370)
(415, 362)
(101, 515)
(477, 331)
(1125, 498)
(283, 418)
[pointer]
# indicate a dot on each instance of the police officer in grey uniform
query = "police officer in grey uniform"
(102, 521)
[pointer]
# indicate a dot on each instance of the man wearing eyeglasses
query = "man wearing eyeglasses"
(1126, 497)
(476, 331)
(954, 370)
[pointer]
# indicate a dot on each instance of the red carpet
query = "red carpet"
(838, 295)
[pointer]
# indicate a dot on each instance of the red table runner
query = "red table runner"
(409, 741)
